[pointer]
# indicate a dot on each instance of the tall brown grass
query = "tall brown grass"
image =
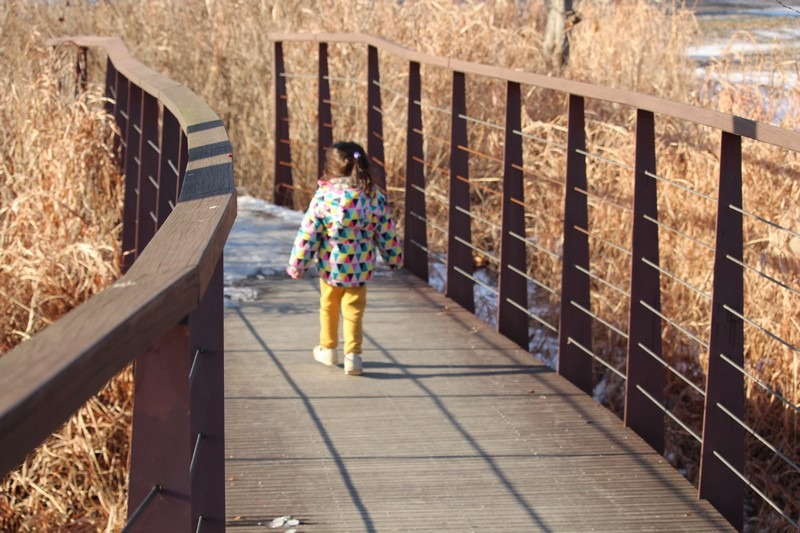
(220, 50)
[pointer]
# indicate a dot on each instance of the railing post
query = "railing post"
(282, 193)
(168, 166)
(415, 240)
(644, 327)
(511, 320)
(575, 325)
(207, 419)
(723, 437)
(459, 285)
(130, 225)
(160, 447)
(324, 114)
(148, 171)
(375, 120)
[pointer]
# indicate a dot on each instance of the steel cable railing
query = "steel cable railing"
(446, 175)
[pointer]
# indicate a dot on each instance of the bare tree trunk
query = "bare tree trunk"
(556, 43)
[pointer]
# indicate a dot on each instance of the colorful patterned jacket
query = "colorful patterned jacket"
(342, 227)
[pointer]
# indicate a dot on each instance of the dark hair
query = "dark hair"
(348, 159)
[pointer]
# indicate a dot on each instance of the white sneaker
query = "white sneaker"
(326, 356)
(352, 364)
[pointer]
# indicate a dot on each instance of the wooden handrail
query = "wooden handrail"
(46, 379)
(706, 117)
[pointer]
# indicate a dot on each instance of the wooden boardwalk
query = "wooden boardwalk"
(452, 428)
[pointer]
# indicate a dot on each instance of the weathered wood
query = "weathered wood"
(453, 427)
(45, 380)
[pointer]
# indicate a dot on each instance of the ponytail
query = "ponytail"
(349, 159)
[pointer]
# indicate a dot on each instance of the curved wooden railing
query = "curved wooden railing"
(164, 313)
(722, 461)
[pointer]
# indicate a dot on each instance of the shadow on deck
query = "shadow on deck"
(452, 428)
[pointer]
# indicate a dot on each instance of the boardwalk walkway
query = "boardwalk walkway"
(452, 428)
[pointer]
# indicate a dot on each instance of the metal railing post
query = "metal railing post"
(575, 326)
(375, 120)
(282, 193)
(459, 285)
(324, 113)
(133, 105)
(644, 326)
(722, 436)
(168, 166)
(207, 418)
(148, 171)
(160, 447)
(511, 321)
(415, 240)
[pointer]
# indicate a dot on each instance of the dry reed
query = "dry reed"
(221, 51)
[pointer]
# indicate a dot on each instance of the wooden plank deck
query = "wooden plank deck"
(451, 428)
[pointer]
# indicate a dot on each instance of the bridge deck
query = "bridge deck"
(452, 428)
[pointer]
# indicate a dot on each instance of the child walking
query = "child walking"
(347, 219)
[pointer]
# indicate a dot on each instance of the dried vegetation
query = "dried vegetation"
(59, 187)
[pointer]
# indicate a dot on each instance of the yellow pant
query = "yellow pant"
(352, 301)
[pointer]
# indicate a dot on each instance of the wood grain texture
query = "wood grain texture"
(453, 427)
(46, 379)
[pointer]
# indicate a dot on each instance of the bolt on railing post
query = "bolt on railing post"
(511, 321)
(724, 383)
(644, 327)
(574, 324)
(415, 240)
(282, 193)
(459, 286)
(375, 120)
(324, 114)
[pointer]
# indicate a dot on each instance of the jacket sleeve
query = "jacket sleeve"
(306, 243)
(386, 236)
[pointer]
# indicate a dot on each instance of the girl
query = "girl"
(347, 219)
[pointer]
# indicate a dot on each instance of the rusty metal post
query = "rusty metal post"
(148, 171)
(160, 447)
(459, 285)
(415, 240)
(325, 116)
(722, 436)
(207, 393)
(130, 226)
(644, 326)
(575, 326)
(513, 297)
(375, 119)
(282, 193)
(168, 166)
